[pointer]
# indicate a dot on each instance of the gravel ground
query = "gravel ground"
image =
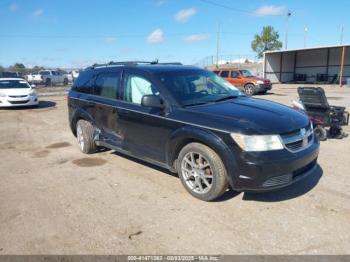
(55, 200)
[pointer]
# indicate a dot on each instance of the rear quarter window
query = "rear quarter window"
(84, 83)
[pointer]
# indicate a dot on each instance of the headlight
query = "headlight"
(259, 82)
(258, 142)
(2, 95)
(32, 93)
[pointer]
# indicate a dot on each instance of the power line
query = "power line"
(227, 7)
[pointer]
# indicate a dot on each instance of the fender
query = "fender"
(80, 114)
(187, 134)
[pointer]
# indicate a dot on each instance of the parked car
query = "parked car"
(192, 122)
(10, 74)
(245, 81)
(48, 78)
(75, 74)
(17, 92)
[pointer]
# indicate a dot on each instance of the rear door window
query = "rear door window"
(224, 74)
(107, 84)
(234, 74)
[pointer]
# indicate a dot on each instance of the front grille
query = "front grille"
(18, 96)
(19, 102)
(298, 139)
(295, 145)
(278, 180)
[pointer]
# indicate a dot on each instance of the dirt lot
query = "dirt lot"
(55, 200)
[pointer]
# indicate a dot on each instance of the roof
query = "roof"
(305, 49)
(12, 78)
(150, 67)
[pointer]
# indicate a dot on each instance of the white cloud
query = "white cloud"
(197, 38)
(185, 14)
(271, 10)
(13, 7)
(109, 40)
(157, 36)
(160, 2)
(38, 12)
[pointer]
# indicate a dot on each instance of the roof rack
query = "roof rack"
(132, 63)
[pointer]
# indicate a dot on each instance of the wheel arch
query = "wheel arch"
(185, 135)
(249, 83)
(78, 115)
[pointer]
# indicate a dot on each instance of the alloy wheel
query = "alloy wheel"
(80, 137)
(197, 172)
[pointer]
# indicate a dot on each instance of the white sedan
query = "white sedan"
(17, 92)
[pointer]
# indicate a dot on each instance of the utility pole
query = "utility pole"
(305, 35)
(218, 46)
(342, 35)
(287, 20)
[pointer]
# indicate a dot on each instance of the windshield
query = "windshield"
(6, 84)
(246, 73)
(192, 87)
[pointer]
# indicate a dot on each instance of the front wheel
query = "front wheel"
(249, 89)
(202, 172)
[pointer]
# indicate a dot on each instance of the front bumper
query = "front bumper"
(19, 101)
(263, 87)
(266, 171)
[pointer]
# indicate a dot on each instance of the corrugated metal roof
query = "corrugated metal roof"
(305, 49)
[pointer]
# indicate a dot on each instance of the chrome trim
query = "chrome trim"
(301, 137)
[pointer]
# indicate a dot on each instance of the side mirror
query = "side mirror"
(33, 86)
(152, 101)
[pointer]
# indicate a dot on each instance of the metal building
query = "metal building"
(329, 64)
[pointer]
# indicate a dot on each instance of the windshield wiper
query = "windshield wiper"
(226, 98)
(196, 104)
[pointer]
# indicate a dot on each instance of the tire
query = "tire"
(85, 137)
(263, 92)
(206, 163)
(249, 89)
(320, 133)
(48, 82)
(65, 82)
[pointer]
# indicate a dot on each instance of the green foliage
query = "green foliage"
(266, 41)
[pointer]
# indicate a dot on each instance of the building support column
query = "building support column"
(342, 67)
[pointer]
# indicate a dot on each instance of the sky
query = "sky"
(78, 33)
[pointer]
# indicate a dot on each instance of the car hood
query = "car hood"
(260, 79)
(253, 116)
(16, 91)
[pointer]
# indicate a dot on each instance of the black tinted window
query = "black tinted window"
(44, 73)
(107, 84)
(234, 74)
(224, 74)
(84, 83)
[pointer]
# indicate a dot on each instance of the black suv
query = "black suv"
(192, 122)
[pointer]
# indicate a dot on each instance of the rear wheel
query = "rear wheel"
(249, 89)
(48, 82)
(202, 172)
(85, 137)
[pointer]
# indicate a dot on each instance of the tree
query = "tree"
(18, 67)
(267, 40)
